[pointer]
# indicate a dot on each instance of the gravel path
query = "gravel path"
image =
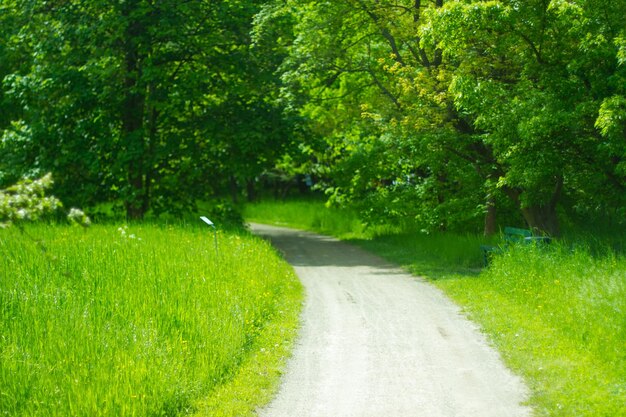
(378, 342)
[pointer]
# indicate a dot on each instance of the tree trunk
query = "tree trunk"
(132, 118)
(542, 219)
(234, 189)
(149, 158)
(250, 191)
(490, 217)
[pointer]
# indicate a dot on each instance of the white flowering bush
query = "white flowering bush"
(27, 201)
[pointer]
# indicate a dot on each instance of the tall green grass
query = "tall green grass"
(140, 321)
(310, 214)
(557, 314)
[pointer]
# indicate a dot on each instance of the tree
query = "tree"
(533, 76)
(359, 71)
(445, 110)
(142, 92)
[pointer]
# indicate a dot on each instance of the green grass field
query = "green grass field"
(141, 321)
(308, 214)
(557, 315)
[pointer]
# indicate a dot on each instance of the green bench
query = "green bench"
(512, 236)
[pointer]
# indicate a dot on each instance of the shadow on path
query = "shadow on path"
(302, 248)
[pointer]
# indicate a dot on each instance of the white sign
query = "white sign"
(207, 221)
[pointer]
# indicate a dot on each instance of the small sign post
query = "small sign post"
(210, 223)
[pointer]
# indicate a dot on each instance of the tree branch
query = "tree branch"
(391, 40)
(384, 89)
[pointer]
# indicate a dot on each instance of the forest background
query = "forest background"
(452, 115)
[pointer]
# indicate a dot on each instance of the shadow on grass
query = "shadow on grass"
(433, 256)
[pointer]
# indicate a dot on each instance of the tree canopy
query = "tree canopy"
(446, 111)
(451, 114)
(150, 103)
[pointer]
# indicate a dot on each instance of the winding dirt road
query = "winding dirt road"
(378, 342)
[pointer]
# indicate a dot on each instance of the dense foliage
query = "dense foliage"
(456, 114)
(445, 111)
(155, 104)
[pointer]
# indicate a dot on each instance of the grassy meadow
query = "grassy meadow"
(309, 214)
(557, 315)
(144, 320)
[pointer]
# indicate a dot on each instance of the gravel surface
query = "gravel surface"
(376, 341)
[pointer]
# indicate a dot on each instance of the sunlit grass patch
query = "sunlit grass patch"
(309, 214)
(141, 320)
